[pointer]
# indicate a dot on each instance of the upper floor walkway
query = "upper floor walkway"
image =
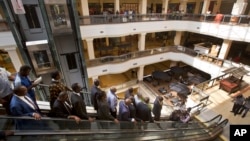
(227, 27)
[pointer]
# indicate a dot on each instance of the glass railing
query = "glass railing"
(26, 128)
(150, 52)
(120, 18)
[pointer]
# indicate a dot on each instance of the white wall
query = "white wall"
(225, 31)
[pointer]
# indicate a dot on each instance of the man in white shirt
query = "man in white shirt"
(5, 94)
(7, 76)
(112, 101)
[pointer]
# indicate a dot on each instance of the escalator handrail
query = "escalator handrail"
(212, 119)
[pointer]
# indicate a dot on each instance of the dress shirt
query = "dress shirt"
(5, 88)
(29, 101)
(112, 101)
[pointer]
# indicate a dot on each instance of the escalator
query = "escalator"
(54, 129)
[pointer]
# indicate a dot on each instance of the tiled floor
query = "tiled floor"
(221, 103)
(219, 100)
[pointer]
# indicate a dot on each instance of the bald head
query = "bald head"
(20, 90)
(113, 89)
(128, 101)
(63, 96)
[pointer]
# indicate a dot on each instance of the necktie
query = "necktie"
(31, 102)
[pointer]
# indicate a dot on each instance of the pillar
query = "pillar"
(85, 7)
(101, 4)
(123, 39)
(117, 6)
(239, 8)
(140, 73)
(177, 38)
(90, 48)
(183, 6)
(143, 6)
(141, 41)
(164, 6)
(225, 47)
(197, 7)
(205, 7)
(216, 7)
(107, 41)
(173, 63)
(15, 59)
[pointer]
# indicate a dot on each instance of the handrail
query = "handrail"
(219, 116)
(121, 18)
(190, 132)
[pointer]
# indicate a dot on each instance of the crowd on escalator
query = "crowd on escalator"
(68, 103)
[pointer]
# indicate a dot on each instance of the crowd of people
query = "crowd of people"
(133, 108)
(68, 102)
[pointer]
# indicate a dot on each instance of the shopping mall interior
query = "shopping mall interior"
(196, 51)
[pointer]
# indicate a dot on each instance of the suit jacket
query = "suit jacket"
(143, 112)
(127, 94)
(94, 91)
(20, 108)
(60, 110)
(103, 112)
(79, 106)
(157, 109)
(124, 112)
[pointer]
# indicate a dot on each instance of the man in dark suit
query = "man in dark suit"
(94, 92)
(143, 112)
(22, 105)
(62, 109)
(78, 104)
(129, 93)
(157, 108)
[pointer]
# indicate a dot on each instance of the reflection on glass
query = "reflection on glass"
(58, 15)
(42, 59)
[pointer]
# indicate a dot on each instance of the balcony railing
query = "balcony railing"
(120, 18)
(150, 52)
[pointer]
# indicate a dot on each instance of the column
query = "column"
(154, 7)
(90, 48)
(197, 7)
(123, 39)
(205, 7)
(177, 38)
(143, 6)
(165, 6)
(216, 7)
(225, 47)
(107, 41)
(15, 59)
(101, 4)
(85, 7)
(183, 6)
(117, 6)
(173, 63)
(85, 10)
(140, 73)
(239, 8)
(141, 41)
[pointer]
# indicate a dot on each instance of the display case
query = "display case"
(40, 56)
